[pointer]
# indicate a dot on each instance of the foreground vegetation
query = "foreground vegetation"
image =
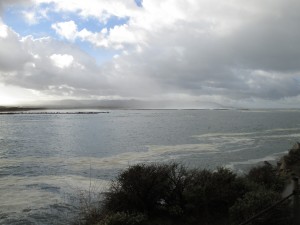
(171, 194)
(165, 194)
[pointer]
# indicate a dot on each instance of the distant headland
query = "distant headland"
(40, 110)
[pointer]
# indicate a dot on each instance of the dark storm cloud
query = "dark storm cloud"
(260, 58)
(6, 3)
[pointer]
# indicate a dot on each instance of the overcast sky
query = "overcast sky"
(234, 53)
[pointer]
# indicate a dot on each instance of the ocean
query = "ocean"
(47, 160)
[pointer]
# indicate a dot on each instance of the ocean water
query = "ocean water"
(47, 160)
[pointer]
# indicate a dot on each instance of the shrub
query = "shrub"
(293, 156)
(255, 202)
(210, 194)
(141, 188)
(267, 177)
(89, 207)
(172, 194)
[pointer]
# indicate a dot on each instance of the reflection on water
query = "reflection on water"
(44, 158)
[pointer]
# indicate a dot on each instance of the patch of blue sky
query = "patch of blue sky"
(14, 17)
(94, 25)
(100, 54)
(139, 3)
(11, 17)
(116, 21)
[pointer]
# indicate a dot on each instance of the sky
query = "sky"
(236, 53)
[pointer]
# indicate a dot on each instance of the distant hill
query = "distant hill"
(131, 104)
(18, 108)
(115, 104)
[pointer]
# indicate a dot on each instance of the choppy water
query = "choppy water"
(45, 160)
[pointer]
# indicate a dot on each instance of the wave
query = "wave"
(275, 130)
(271, 158)
(18, 193)
(247, 138)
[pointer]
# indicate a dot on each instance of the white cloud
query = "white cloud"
(3, 31)
(30, 17)
(115, 38)
(62, 61)
(122, 35)
(97, 39)
(67, 30)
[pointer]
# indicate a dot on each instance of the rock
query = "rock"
(296, 146)
(26, 210)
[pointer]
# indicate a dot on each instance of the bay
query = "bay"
(47, 159)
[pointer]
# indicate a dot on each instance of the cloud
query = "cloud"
(117, 37)
(30, 17)
(120, 35)
(236, 58)
(6, 3)
(62, 61)
(67, 30)
(52, 67)
(100, 9)
(96, 39)
(3, 31)
(233, 51)
(12, 54)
